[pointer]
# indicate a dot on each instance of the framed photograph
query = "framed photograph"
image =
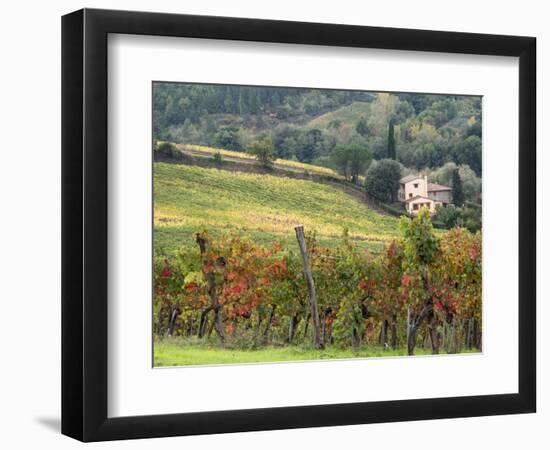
(273, 225)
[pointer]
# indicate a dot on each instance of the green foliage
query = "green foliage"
(218, 158)
(468, 217)
(391, 141)
(423, 147)
(351, 160)
(468, 152)
(471, 218)
(440, 112)
(262, 149)
(471, 183)
(361, 127)
(347, 114)
(303, 144)
(167, 149)
(449, 216)
(421, 131)
(382, 179)
(421, 243)
(458, 194)
(228, 137)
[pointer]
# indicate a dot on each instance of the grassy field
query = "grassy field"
(282, 163)
(264, 207)
(177, 352)
(345, 114)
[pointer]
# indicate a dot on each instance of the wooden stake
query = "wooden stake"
(310, 287)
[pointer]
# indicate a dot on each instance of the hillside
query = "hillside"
(312, 125)
(242, 157)
(346, 114)
(264, 207)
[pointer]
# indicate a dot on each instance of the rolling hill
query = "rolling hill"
(264, 207)
(345, 114)
(235, 156)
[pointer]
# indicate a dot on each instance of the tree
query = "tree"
(474, 129)
(360, 159)
(361, 127)
(285, 141)
(391, 141)
(471, 183)
(340, 159)
(471, 217)
(228, 138)
(426, 146)
(469, 152)
(450, 216)
(351, 160)
(218, 158)
(262, 149)
(458, 194)
(309, 143)
(382, 180)
(167, 149)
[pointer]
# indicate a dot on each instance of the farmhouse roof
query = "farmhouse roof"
(418, 197)
(408, 178)
(433, 187)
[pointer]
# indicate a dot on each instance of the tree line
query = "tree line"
(420, 131)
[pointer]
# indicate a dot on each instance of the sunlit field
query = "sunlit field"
(264, 207)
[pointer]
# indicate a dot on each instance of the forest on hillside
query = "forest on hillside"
(429, 130)
(353, 132)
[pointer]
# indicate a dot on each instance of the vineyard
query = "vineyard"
(262, 207)
(281, 163)
(237, 280)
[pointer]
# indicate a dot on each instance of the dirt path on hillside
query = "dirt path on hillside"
(242, 160)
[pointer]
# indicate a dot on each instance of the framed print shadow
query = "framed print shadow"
(266, 224)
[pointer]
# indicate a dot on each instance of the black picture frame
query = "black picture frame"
(84, 224)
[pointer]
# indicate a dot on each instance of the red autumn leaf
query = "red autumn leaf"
(190, 287)
(230, 276)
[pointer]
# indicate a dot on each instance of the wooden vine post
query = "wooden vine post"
(310, 287)
(215, 304)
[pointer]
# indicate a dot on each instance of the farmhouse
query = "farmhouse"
(415, 192)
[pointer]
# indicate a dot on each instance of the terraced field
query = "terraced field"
(264, 207)
(284, 164)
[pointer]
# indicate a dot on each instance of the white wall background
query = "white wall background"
(30, 226)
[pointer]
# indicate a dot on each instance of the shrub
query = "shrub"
(167, 149)
(218, 158)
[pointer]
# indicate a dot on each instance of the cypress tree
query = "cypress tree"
(458, 193)
(391, 142)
